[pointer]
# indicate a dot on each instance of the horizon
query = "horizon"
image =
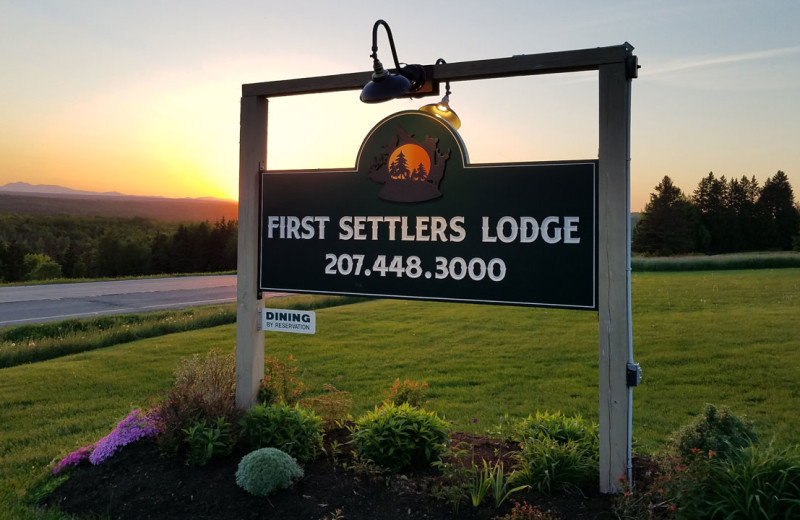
(147, 99)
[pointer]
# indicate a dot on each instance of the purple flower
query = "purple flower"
(74, 458)
(134, 427)
(474, 420)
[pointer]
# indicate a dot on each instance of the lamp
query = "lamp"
(386, 85)
(442, 108)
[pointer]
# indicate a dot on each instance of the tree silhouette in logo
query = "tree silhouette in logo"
(399, 168)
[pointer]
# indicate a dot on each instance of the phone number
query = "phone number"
(455, 268)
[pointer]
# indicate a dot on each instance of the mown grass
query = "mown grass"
(38, 342)
(754, 260)
(726, 337)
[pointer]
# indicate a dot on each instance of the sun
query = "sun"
(414, 154)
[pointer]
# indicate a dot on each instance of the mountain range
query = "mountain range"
(44, 199)
(52, 189)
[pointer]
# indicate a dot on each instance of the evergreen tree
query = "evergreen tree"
(666, 225)
(777, 212)
(742, 197)
(710, 198)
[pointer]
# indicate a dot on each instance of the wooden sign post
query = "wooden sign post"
(616, 68)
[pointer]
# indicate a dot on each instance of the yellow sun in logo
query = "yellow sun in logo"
(409, 158)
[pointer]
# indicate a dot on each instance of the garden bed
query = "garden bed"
(137, 482)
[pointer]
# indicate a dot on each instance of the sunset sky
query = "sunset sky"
(143, 97)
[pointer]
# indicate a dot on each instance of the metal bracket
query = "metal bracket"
(632, 67)
(633, 374)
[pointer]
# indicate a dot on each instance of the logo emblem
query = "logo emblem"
(410, 171)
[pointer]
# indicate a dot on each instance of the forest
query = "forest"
(40, 247)
(720, 216)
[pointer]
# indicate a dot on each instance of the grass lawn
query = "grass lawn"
(726, 337)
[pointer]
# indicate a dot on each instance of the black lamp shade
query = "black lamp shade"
(384, 87)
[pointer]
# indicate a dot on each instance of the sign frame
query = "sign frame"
(616, 67)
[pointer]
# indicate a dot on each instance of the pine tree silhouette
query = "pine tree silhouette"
(421, 174)
(399, 168)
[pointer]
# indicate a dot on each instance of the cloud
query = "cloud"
(681, 65)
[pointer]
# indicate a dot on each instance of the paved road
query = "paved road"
(41, 303)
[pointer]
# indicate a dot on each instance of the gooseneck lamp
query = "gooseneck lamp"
(387, 85)
(442, 108)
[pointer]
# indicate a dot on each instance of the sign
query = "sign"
(415, 220)
(284, 320)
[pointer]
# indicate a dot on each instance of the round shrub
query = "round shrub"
(400, 437)
(263, 471)
(295, 430)
(718, 431)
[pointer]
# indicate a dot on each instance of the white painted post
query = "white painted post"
(249, 340)
(615, 342)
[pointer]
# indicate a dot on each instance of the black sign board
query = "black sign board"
(415, 220)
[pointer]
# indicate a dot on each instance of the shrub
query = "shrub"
(400, 437)
(332, 406)
(205, 441)
(547, 465)
(717, 430)
(280, 384)
(204, 391)
(265, 470)
(750, 483)
(409, 392)
(558, 427)
(295, 430)
(557, 452)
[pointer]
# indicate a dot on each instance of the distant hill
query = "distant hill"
(27, 199)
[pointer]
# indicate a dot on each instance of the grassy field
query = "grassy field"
(725, 337)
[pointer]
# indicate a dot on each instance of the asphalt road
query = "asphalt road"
(42, 303)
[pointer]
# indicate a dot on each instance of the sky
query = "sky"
(143, 97)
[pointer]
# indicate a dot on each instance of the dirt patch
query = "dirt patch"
(137, 482)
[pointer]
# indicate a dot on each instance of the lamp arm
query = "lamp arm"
(374, 54)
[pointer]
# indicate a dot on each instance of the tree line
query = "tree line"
(720, 216)
(38, 247)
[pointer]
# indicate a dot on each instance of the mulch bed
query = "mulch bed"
(137, 482)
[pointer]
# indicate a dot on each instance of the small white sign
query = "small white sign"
(285, 320)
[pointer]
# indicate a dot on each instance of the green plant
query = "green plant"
(365, 468)
(557, 452)
(751, 482)
(456, 476)
(205, 442)
(265, 470)
(547, 465)
(481, 484)
(400, 437)
(717, 430)
(558, 427)
(293, 429)
(500, 484)
(410, 392)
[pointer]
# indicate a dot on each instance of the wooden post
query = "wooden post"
(249, 340)
(614, 274)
